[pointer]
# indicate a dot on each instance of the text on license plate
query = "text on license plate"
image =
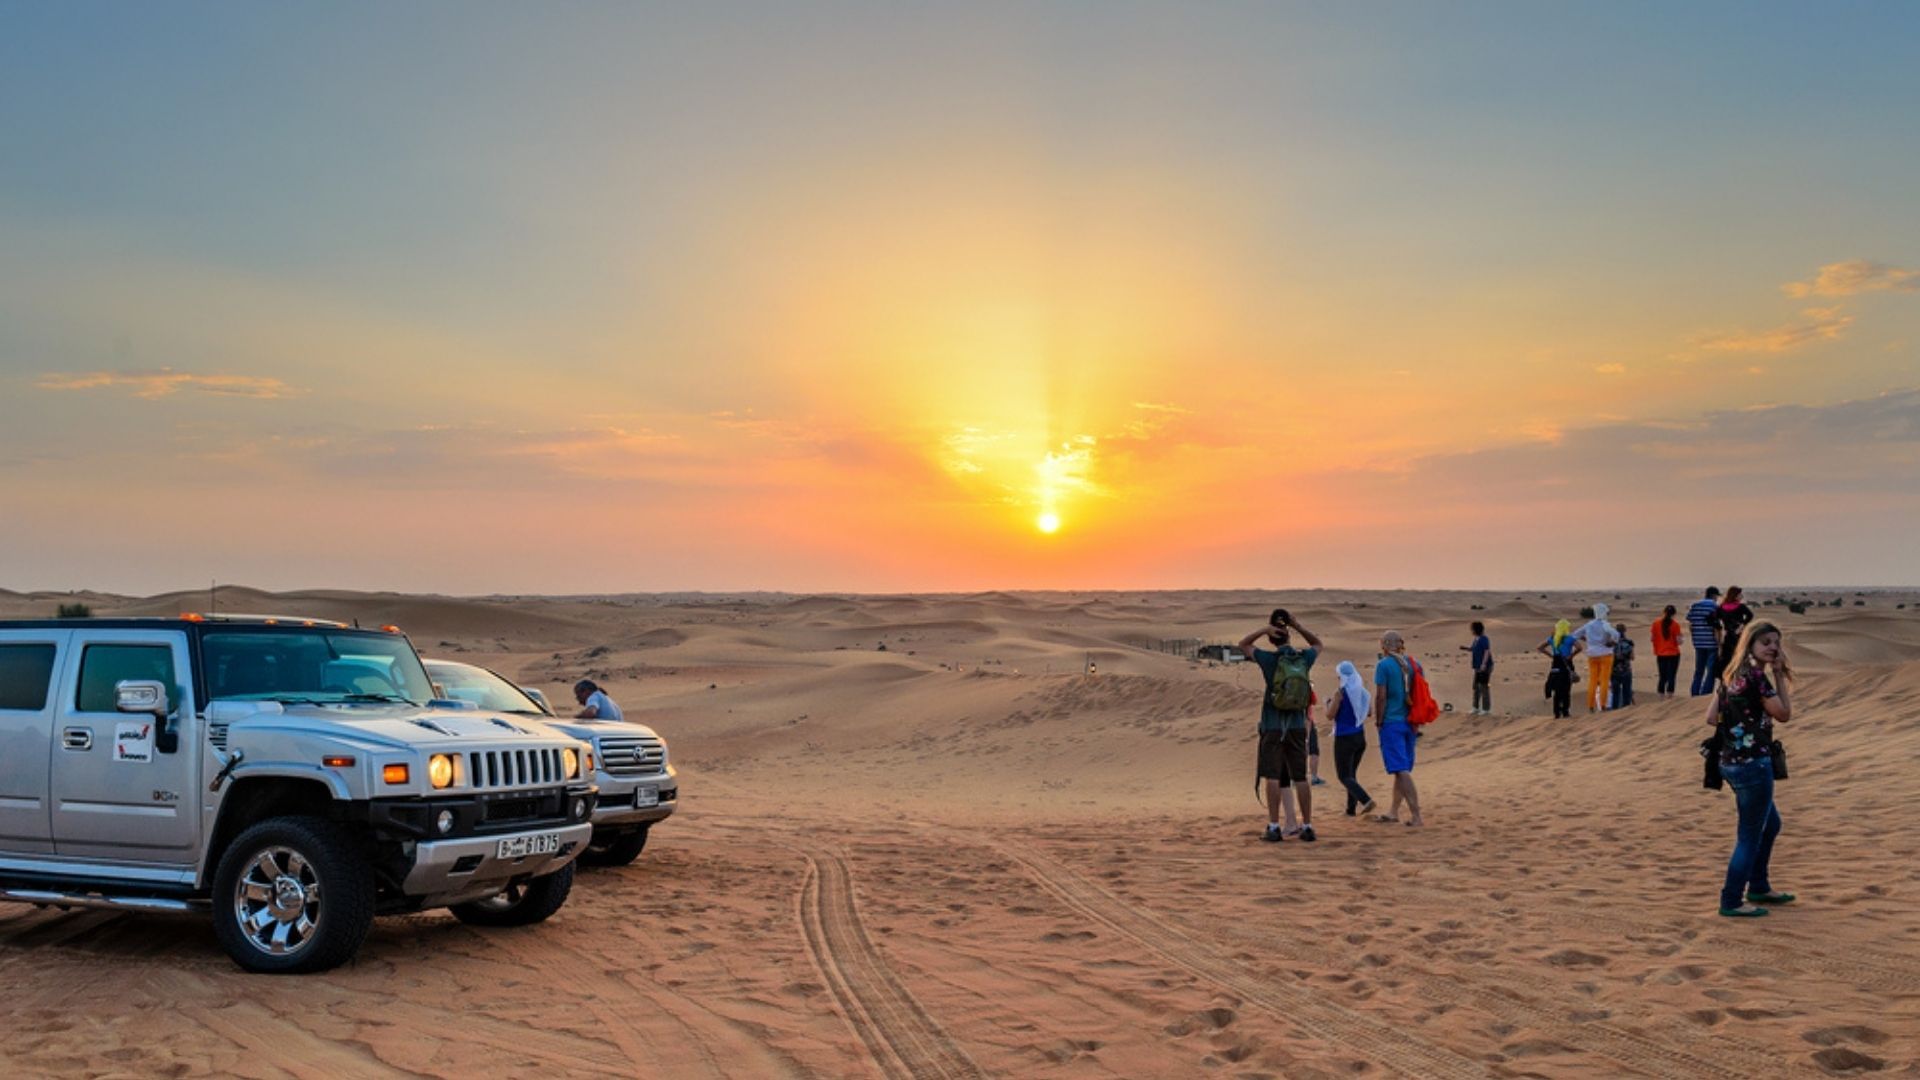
(519, 847)
(646, 796)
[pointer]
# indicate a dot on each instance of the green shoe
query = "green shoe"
(1769, 898)
(1748, 912)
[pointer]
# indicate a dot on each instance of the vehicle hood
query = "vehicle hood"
(592, 729)
(394, 726)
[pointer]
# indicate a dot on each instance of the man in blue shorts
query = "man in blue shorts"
(1392, 678)
(1286, 693)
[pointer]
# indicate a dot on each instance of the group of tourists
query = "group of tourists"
(1712, 624)
(1288, 736)
(1740, 663)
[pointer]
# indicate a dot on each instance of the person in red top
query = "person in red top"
(1666, 650)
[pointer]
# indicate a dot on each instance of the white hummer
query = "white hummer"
(292, 776)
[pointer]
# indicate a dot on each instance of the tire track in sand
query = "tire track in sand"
(1366, 1036)
(906, 1043)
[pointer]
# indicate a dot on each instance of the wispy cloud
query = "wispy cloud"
(1855, 276)
(1867, 446)
(165, 382)
(1611, 369)
(1819, 324)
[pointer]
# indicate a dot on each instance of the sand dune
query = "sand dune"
(962, 856)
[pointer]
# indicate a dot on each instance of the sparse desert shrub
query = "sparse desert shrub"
(75, 611)
(1798, 607)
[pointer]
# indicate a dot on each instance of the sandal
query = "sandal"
(1769, 898)
(1747, 912)
(1386, 819)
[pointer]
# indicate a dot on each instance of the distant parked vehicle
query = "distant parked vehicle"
(289, 776)
(638, 785)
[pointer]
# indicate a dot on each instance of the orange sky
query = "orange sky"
(613, 304)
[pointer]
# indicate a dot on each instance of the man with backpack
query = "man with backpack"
(1286, 696)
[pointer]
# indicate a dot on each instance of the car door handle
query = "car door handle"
(77, 738)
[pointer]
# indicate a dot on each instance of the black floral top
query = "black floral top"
(1746, 731)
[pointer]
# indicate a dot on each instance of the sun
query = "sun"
(1048, 522)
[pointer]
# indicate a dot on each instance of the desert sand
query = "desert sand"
(960, 855)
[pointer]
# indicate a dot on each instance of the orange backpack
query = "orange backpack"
(1421, 708)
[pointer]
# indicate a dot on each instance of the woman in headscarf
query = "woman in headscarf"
(1598, 637)
(1559, 651)
(1349, 710)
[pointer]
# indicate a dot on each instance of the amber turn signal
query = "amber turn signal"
(394, 774)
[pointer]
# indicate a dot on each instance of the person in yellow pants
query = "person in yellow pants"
(1598, 639)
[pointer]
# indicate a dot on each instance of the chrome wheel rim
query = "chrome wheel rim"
(277, 901)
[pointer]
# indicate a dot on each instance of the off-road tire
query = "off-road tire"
(344, 892)
(538, 899)
(617, 850)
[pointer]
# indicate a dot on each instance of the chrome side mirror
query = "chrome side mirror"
(149, 697)
(142, 696)
(539, 699)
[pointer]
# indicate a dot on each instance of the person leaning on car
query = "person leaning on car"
(594, 702)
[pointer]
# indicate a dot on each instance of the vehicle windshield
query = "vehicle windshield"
(463, 682)
(315, 666)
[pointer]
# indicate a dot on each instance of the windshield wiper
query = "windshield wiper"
(388, 698)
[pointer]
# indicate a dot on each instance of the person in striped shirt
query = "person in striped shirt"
(1705, 627)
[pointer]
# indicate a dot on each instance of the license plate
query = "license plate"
(519, 847)
(646, 796)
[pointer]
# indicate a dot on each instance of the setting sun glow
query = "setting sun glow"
(1048, 522)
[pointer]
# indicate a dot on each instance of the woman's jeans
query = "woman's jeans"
(1347, 752)
(1669, 673)
(1703, 669)
(1752, 785)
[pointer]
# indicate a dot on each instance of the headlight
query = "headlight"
(573, 763)
(440, 771)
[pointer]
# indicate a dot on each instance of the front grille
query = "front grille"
(632, 755)
(512, 809)
(488, 769)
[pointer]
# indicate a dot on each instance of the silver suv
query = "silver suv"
(638, 785)
(290, 776)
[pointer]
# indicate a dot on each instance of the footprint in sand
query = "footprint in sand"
(1845, 1033)
(1843, 1062)
(1574, 958)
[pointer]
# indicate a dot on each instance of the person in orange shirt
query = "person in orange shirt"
(1666, 650)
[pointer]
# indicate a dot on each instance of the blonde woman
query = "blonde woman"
(1752, 697)
(1392, 678)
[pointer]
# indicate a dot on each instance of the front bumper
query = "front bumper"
(626, 801)
(450, 871)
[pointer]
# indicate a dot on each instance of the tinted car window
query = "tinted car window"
(25, 671)
(482, 687)
(312, 665)
(101, 666)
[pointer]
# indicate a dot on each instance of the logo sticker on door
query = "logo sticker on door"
(133, 742)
